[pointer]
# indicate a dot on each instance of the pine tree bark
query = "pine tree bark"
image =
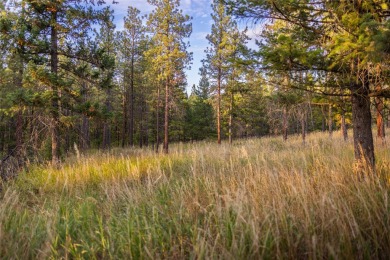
(323, 119)
(388, 118)
(146, 127)
(141, 124)
(303, 127)
(379, 117)
(68, 133)
(231, 120)
(125, 115)
(158, 120)
(55, 115)
(85, 136)
(33, 130)
(106, 126)
(219, 82)
(2, 137)
(19, 116)
(84, 126)
(344, 126)
(131, 112)
(362, 131)
(285, 124)
(166, 118)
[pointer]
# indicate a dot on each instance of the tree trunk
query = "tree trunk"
(2, 135)
(312, 123)
(166, 118)
(323, 119)
(303, 127)
(219, 104)
(19, 115)
(330, 121)
(55, 115)
(9, 135)
(118, 133)
(147, 114)
(131, 119)
(362, 131)
(344, 126)
(85, 137)
(285, 124)
(388, 118)
(141, 125)
(158, 120)
(125, 115)
(379, 117)
(106, 136)
(19, 133)
(33, 131)
(68, 132)
(231, 120)
(106, 126)
(84, 129)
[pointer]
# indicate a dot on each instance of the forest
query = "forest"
(279, 151)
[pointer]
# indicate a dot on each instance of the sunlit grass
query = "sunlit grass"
(260, 198)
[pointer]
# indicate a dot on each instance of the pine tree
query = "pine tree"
(169, 28)
(218, 53)
(11, 39)
(131, 41)
(200, 114)
(106, 37)
(54, 32)
(237, 65)
(351, 36)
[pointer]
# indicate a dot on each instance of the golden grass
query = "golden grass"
(260, 198)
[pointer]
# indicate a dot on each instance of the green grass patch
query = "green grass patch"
(261, 198)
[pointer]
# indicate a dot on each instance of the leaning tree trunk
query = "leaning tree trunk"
(362, 131)
(55, 114)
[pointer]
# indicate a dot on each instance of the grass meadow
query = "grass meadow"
(257, 199)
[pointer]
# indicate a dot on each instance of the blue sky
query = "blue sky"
(199, 10)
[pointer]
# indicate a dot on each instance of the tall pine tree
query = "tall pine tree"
(170, 56)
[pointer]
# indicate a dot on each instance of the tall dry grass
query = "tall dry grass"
(260, 198)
